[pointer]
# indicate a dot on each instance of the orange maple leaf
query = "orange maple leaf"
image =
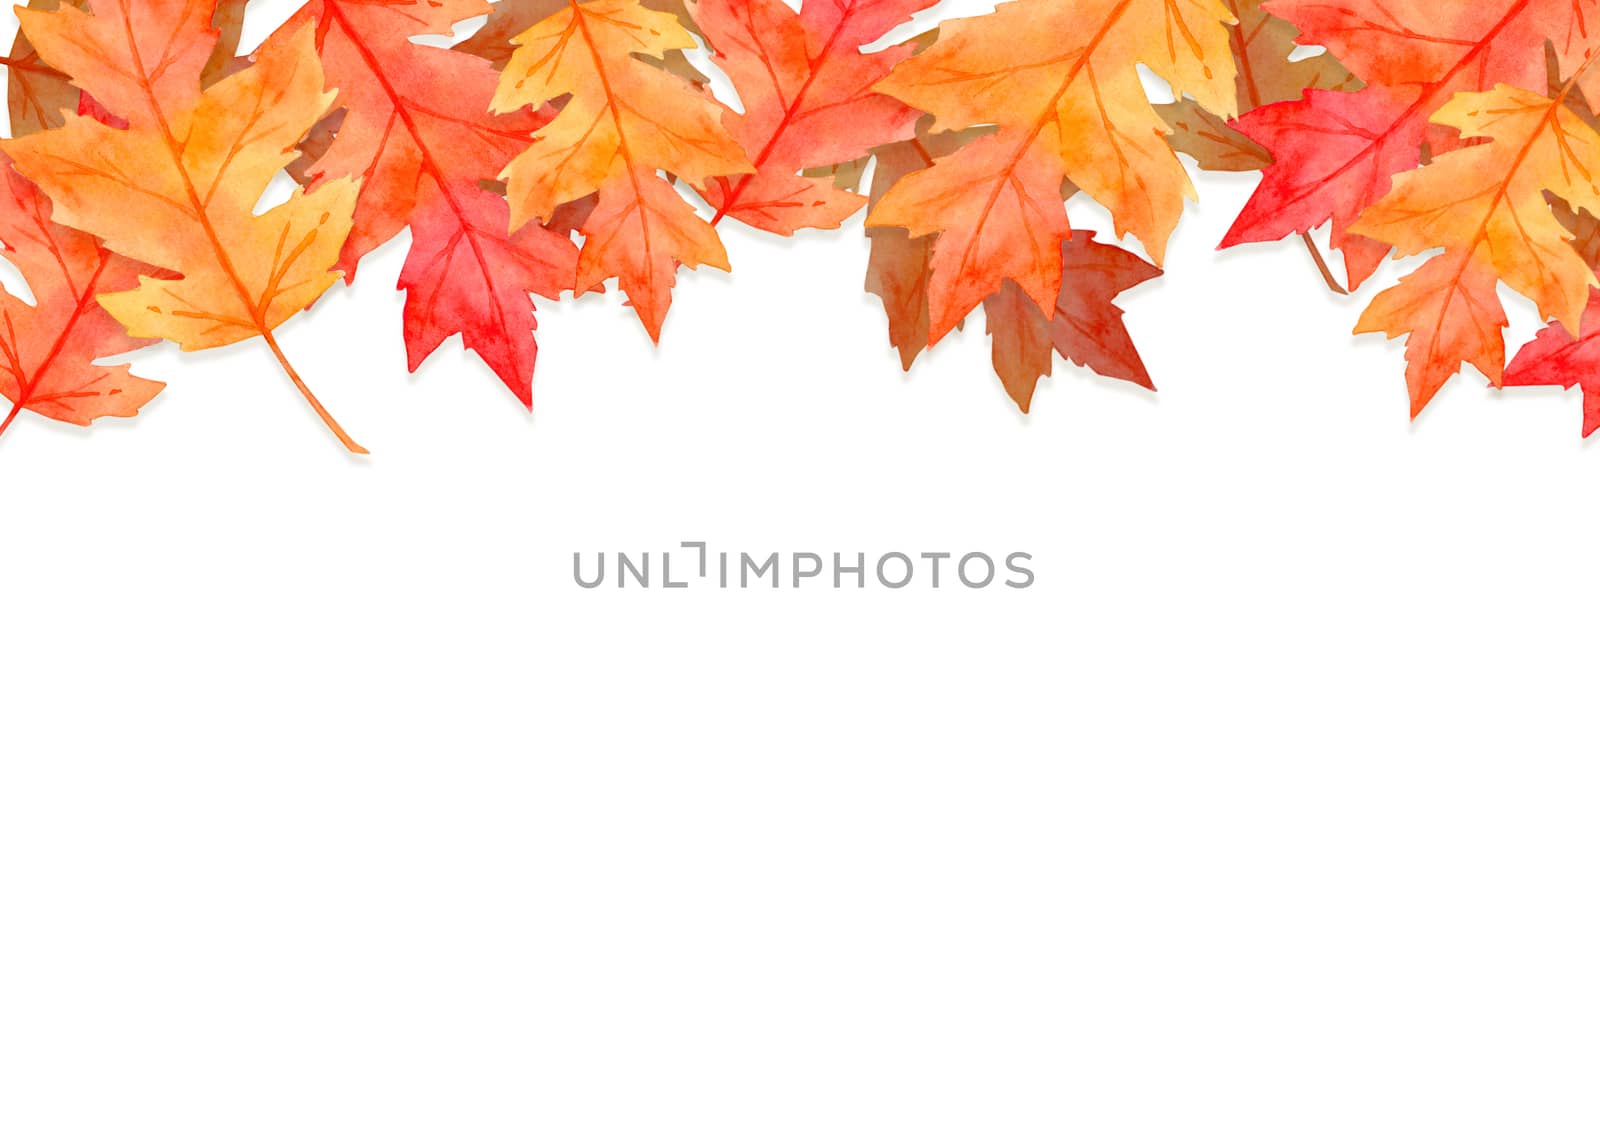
(624, 123)
(177, 188)
(1485, 206)
(1083, 325)
(49, 350)
(1060, 80)
(806, 87)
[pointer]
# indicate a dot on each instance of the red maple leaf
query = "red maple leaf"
(806, 87)
(417, 129)
(49, 351)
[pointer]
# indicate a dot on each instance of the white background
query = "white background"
(327, 801)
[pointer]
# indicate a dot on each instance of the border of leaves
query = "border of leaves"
(1085, 327)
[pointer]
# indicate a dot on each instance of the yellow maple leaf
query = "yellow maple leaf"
(1060, 80)
(625, 122)
(1485, 206)
(177, 187)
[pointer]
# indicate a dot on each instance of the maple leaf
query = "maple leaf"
(1485, 205)
(48, 350)
(806, 88)
(1336, 152)
(623, 123)
(1084, 326)
(417, 131)
(1263, 46)
(178, 187)
(1060, 80)
(39, 95)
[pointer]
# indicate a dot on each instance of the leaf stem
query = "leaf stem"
(311, 398)
(1322, 265)
(16, 411)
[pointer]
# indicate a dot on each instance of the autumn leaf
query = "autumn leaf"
(806, 87)
(1485, 206)
(1085, 326)
(1060, 79)
(178, 187)
(39, 95)
(1336, 152)
(624, 122)
(417, 132)
(1263, 46)
(49, 350)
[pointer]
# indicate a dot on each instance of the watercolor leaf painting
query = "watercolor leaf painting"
(538, 151)
(175, 180)
(416, 133)
(624, 122)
